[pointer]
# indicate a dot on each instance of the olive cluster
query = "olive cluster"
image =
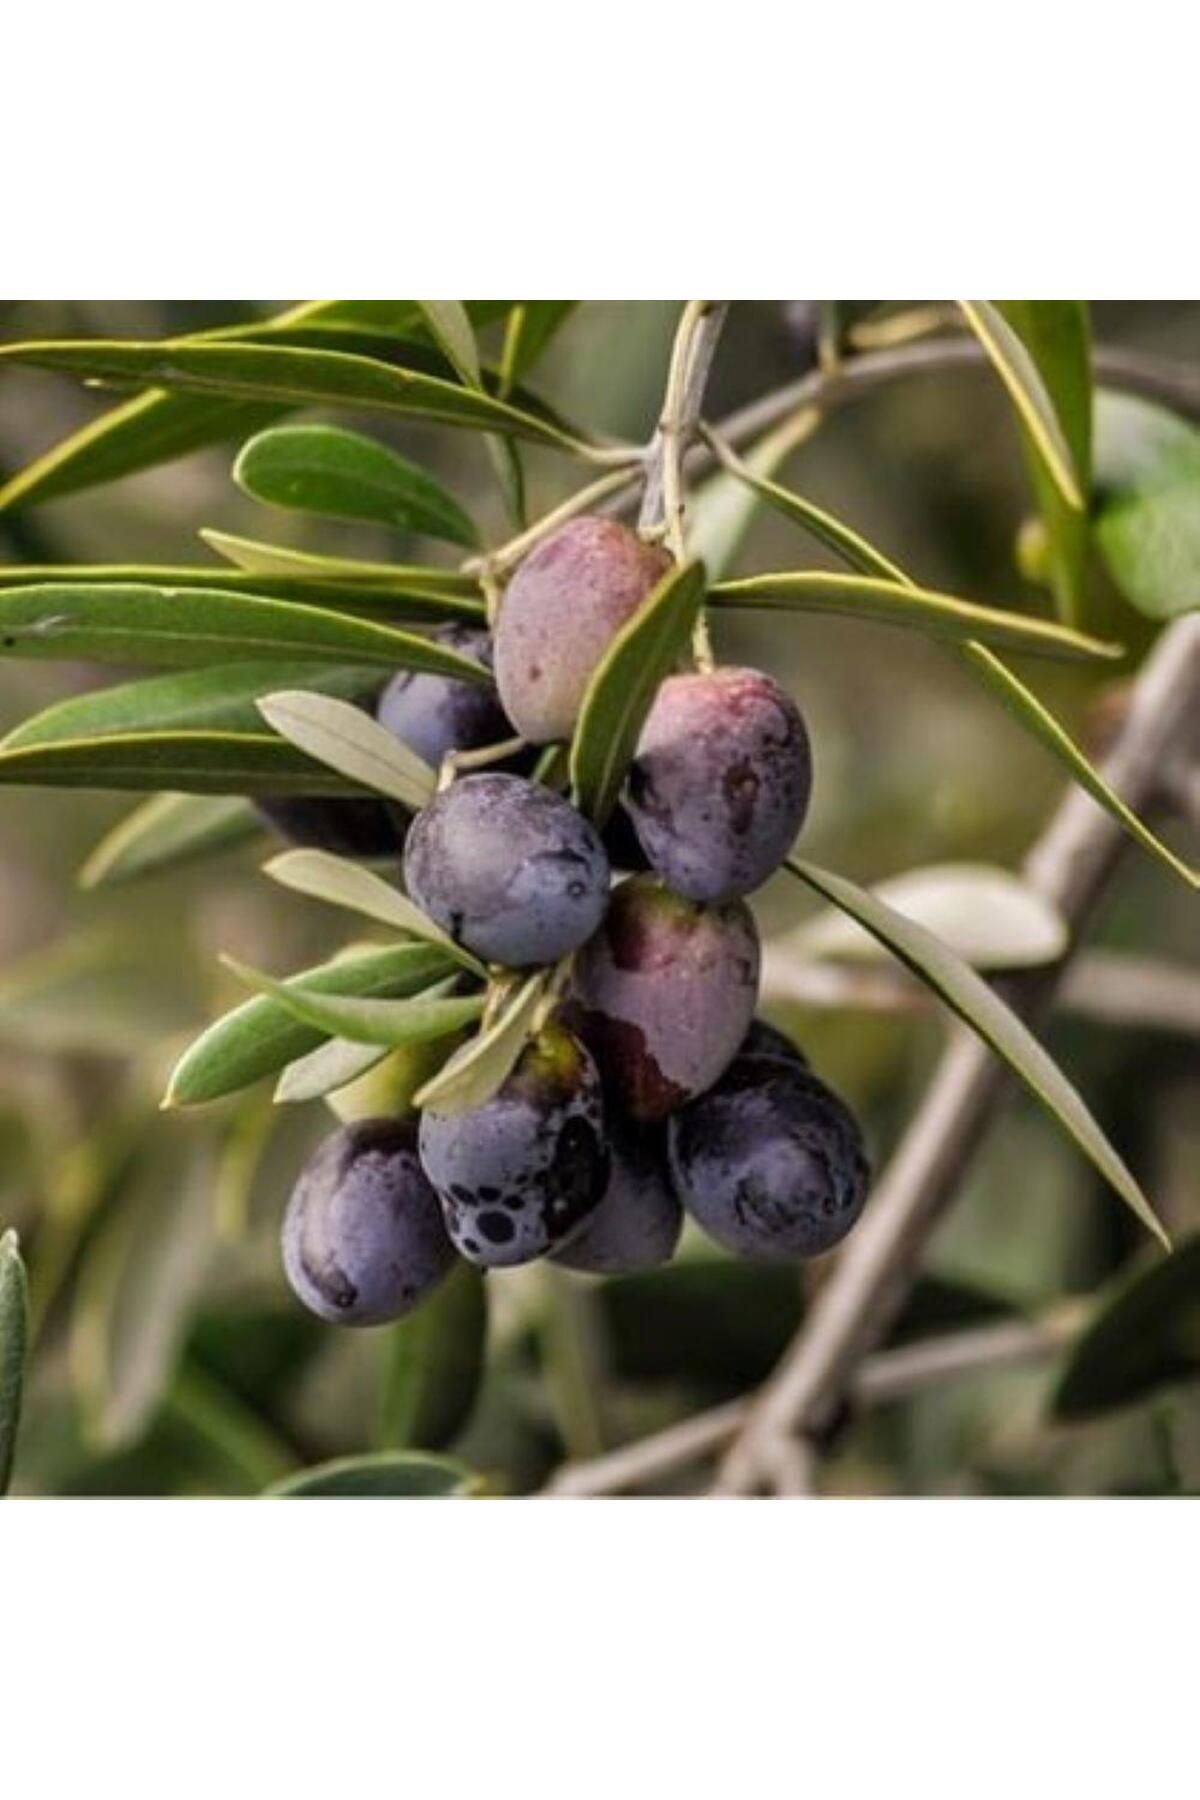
(650, 1088)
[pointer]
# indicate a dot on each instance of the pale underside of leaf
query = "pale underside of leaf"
(347, 741)
(322, 876)
(331, 1066)
(476, 1070)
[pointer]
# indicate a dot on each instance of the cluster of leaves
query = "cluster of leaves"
(268, 649)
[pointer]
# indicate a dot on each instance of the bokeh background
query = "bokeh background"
(169, 1357)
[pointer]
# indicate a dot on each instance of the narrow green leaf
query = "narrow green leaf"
(895, 603)
(842, 539)
(1057, 335)
(260, 1037)
(403, 592)
(1148, 514)
(347, 740)
(326, 1069)
(289, 377)
(393, 579)
(325, 877)
(475, 1071)
(388, 1477)
(341, 474)
(166, 832)
(1146, 1338)
(191, 762)
(531, 326)
(722, 507)
(450, 327)
(194, 627)
(14, 1326)
(1020, 700)
(1027, 390)
(220, 699)
(392, 1023)
(157, 427)
(623, 686)
(433, 1364)
(1028, 710)
(967, 995)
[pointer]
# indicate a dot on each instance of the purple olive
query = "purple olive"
(663, 995)
(560, 613)
(720, 784)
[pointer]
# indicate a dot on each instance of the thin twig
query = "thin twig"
(1070, 865)
(892, 1375)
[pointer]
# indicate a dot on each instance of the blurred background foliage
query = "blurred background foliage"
(168, 1357)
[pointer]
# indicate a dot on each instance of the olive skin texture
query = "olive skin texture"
(638, 1221)
(663, 995)
(350, 827)
(519, 1174)
(561, 611)
(363, 1237)
(434, 714)
(508, 868)
(721, 782)
(770, 1163)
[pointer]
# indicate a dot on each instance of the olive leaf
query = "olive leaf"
(330, 1066)
(221, 699)
(890, 602)
(361, 581)
(1148, 514)
(623, 685)
(157, 427)
(478, 1068)
(1019, 372)
(14, 1326)
(348, 741)
(392, 1023)
(1009, 689)
(283, 375)
(325, 877)
(432, 1365)
(450, 327)
(406, 592)
(167, 831)
(259, 1037)
(341, 474)
(193, 762)
(195, 627)
(989, 917)
(1146, 1337)
(1057, 335)
(979, 1007)
(408, 1477)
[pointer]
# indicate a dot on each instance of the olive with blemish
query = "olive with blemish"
(519, 1174)
(363, 1238)
(664, 994)
(721, 781)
